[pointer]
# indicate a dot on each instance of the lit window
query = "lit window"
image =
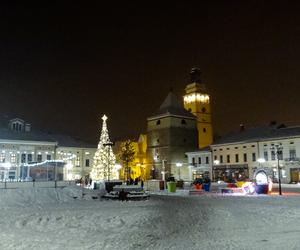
(2, 157)
(77, 162)
(13, 158)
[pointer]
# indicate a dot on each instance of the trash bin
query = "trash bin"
(171, 187)
(206, 186)
(161, 185)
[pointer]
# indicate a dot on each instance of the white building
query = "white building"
(200, 163)
(238, 155)
(22, 148)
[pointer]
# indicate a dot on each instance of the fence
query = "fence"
(38, 184)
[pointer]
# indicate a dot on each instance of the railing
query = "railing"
(37, 184)
(292, 159)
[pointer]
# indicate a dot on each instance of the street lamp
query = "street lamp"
(179, 165)
(278, 151)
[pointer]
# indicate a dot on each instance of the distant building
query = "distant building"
(22, 149)
(171, 132)
(139, 166)
(200, 163)
(197, 101)
(240, 154)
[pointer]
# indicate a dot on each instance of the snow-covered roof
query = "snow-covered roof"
(172, 106)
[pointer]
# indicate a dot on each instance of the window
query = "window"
(236, 147)
(193, 160)
(273, 155)
(253, 146)
(2, 157)
(227, 148)
(48, 157)
(13, 158)
(87, 162)
(236, 158)
(244, 146)
(204, 130)
(207, 160)
(228, 158)
(183, 122)
(291, 142)
(199, 160)
(39, 158)
(77, 162)
(23, 158)
(221, 158)
(215, 157)
(245, 157)
(158, 122)
(203, 110)
(29, 158)
(280, 155)
(253, 157)
(266, 157)
(221, 149)
(292, 153)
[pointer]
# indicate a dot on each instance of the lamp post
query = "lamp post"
(109, 143)
(278, 150)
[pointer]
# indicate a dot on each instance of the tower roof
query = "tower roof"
(172, 106)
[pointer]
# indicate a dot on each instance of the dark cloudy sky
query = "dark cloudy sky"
(64, 64)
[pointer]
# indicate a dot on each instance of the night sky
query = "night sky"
(65, 64)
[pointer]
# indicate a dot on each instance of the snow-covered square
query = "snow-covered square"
(48, 218)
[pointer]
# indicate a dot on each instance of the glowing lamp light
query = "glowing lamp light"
(69, 165)
(178, 164)
(196, 98)
(261, 160)
(216, 162)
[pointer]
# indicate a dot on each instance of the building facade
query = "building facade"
(240, 154)
(171, 132)
(22, 149)
(200, 163)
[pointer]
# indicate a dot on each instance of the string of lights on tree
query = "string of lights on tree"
(104, 166)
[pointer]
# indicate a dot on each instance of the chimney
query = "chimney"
(242, 127)
(27, 127)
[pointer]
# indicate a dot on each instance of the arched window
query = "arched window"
(158, 122)
(183, 122)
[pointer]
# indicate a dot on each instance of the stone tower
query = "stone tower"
(171, 132)
(197, 101)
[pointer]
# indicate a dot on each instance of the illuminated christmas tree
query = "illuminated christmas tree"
(104, 158)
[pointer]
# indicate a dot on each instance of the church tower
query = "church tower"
(196, 100)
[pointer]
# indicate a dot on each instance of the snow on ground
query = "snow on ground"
(49, 218)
